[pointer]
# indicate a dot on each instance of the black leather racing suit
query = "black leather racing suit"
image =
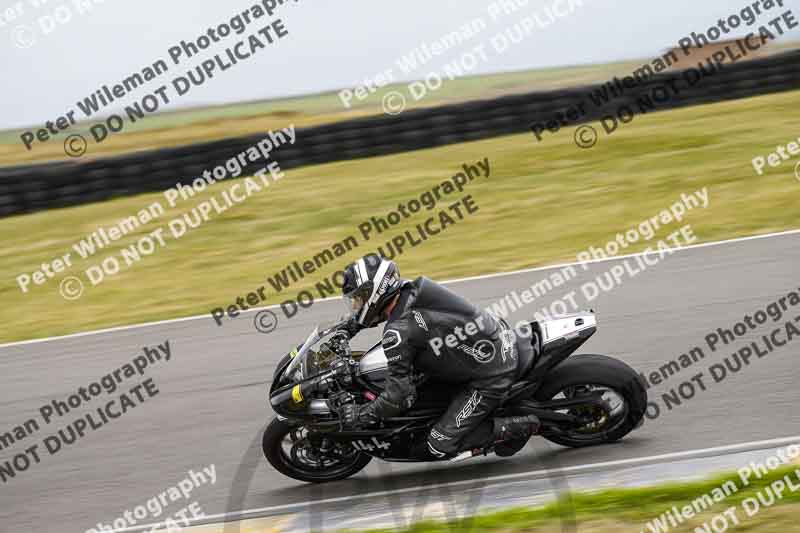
(433, 331)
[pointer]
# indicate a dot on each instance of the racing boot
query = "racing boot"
(511, 434)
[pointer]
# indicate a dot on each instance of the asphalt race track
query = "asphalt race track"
(212, 400)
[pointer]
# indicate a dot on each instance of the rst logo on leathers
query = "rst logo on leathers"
(468, 408)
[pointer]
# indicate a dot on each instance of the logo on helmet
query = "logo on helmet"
(384, 284)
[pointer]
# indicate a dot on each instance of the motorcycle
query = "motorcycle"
(582, 400)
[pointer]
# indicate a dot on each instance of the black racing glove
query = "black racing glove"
(348, 414)
(354, 417)
(351, 327)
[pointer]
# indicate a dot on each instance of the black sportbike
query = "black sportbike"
(581, 401)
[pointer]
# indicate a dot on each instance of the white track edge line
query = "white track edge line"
(576, 469)
(457, 280)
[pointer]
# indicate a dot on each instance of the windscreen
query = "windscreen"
(307, 362)
(317, 362)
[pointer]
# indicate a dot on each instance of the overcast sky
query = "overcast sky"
(330, 45)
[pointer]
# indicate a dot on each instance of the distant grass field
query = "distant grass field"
(204, 124)
(543, 203)
(211, 123)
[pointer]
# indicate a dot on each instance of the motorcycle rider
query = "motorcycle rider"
(433, 331)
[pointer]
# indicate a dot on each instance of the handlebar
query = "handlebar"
(340, 344)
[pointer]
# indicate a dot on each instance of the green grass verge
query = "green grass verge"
(543, 203)
(611, 511)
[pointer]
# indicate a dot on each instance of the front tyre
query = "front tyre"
(304, 456)
(621, 388)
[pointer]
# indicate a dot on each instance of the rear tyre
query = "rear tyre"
(622, 389)
(295, 453)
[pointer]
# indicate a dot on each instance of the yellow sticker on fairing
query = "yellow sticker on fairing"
(297, 394)
(293, 353)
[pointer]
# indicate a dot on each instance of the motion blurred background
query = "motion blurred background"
(545, 201)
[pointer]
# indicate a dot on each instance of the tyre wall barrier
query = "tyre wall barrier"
(41, 186)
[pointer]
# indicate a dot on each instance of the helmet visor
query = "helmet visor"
(355, 300)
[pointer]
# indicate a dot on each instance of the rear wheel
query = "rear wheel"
(621, 391)
(295, 452)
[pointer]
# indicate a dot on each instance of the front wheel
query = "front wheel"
(622, 390)
(309, 457)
